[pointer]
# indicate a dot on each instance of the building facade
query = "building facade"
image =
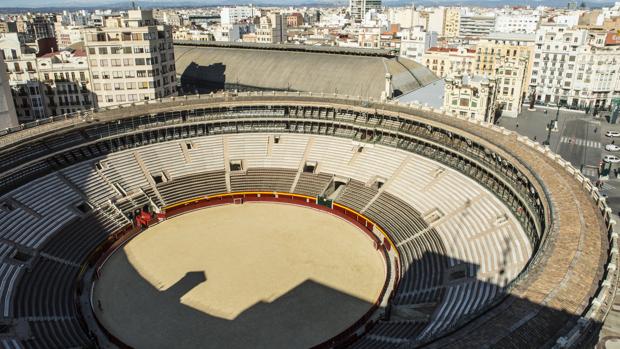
(8, 116)
(415, 41)
(451, 24)
(560, 58)
(66, 79)
(131, 59)
(444, 61)
(473, 97)
(272, 29)
(476, 26)
(359, 8)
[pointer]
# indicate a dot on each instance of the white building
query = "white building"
(66, 79)
(436, 19)
(415, 41)
(554, 68)
(131, 59)
(405, 17)
(232, 15)
(517, 22)
(8, 116)
(21, 65)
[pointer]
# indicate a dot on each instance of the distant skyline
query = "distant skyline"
(87, 4)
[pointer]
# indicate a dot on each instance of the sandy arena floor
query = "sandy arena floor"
(257, 275)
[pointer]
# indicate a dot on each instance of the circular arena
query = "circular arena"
(295, 220)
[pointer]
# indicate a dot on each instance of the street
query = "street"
(580, 139)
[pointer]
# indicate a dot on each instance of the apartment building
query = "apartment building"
(359, 8)
(415, 41)
(451, 24)
(272, 29)
(236, 14)
(8, 116)
(473, 97)
(66, 79)
(511, 86)
(445, 61)
(525, 22)
(555, 68)
(26, 88)
(476, 25)
(131, 59)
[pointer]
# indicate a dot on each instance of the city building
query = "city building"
(236, 14)
(68, 35)
(415, 41)
(473, 97)
(131, 59)
(272, 29)
(26, 88)
(511, 86)
(556, 66)
(359, 8)
(517, 22)
(493, 50)
(476, 25)
(451, 22)
(295, 20)
(445, 61)
(66, 79)
(8, 116)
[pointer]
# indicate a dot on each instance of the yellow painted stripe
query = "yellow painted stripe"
(202, 198)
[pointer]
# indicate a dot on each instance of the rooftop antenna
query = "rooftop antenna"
(133, 5)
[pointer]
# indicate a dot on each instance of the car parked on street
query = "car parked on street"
(612, 134)
(612, 147)
(611, 159)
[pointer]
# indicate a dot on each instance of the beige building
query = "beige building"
(473, 97)
(512, 86)
(452, 22)
(272, 29)
(131, 59)
(493, 50)
(445, 61)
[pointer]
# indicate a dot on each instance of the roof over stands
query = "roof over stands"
(212, 68)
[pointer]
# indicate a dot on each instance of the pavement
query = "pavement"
(578, 138)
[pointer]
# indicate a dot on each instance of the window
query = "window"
(115, 62)
(118, 86)
(117, 74)
(139, 61)
(116, 50)
(103, 63)
(94, 63)
(103, 50)
(127, 49)
(127, 62)
(120, 98)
